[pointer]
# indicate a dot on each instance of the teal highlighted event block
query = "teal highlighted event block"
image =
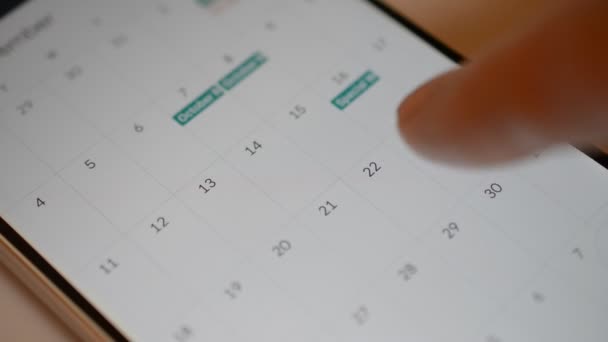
(242, 71)
(198, 105)
(355, 90)
(206, 3)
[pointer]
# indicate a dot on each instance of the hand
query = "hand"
(544, 85)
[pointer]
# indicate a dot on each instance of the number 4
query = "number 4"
(40, 203)
(108, 266)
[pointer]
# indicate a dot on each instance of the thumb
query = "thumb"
(546, 85)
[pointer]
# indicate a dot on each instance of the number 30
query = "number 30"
(493, 190)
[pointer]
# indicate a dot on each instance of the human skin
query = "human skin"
(545, 84)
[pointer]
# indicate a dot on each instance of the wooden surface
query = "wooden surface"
(466, 25)
(23, 317)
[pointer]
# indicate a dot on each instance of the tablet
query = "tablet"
(225, 170)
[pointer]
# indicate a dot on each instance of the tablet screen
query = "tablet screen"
(224, 170)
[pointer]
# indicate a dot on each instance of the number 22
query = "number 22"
(372, 169)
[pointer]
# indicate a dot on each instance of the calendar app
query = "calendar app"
(224, 170)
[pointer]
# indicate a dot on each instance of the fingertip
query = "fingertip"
(440, 123)
(419, 101)
(422, 117)
(415, 103)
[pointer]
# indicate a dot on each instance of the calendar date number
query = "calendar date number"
(493, 190)
(207, 185)
(372, 169)
(160, 224)
(328, 208)
(253, 148)
(282, 248)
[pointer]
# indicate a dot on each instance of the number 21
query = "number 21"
(328, 208)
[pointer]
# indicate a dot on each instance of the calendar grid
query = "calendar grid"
(273, 205)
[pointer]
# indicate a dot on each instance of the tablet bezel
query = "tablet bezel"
(7, 6)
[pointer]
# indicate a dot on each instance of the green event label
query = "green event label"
(241, 72)
(206, 3)
(198, 105)
(355, 90)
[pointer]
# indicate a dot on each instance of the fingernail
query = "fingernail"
(420, 117)
(416, 102)
(423, 97)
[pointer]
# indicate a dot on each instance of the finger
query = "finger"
(546, 85)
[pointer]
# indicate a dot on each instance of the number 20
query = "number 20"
(282, 247)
